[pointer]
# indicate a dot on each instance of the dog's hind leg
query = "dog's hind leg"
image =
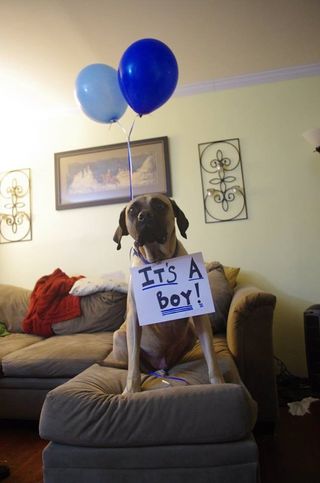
(120, 348)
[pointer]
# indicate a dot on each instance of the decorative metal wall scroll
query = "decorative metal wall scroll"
(222, 181)
(15, 206)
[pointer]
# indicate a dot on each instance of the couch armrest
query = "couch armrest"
(249, 337)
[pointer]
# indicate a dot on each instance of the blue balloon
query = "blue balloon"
(98, 92)
(148, 75)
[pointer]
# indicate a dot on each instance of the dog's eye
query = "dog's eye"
(134, 210)
(158, 205)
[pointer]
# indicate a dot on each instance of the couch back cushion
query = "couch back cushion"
(100, 311)
(222, 293)
(14, 303)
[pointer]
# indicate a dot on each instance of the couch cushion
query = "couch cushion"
(14, 342)
(90, 410)
(222, 295)
(101, 311)
(58, 356)
(184, 461)
(14, 303)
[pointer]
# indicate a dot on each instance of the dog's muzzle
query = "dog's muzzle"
(149, 229)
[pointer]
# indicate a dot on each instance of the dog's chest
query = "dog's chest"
(166, 334)
(163, 345)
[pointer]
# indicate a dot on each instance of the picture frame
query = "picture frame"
(100, 175)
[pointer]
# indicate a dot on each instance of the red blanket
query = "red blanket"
(50, 303)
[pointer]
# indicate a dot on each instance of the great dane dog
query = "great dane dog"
(150, 220)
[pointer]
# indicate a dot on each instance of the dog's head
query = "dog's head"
(150, 220)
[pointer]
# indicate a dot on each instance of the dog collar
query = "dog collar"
(136, 252)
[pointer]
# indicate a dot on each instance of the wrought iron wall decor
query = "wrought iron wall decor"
(222, 181)
(15, 206)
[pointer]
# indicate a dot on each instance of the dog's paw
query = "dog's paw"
(217, 380)
(132, 388)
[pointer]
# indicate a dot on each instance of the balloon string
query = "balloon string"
(130, 168)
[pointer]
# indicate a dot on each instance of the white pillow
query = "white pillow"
(87, 285)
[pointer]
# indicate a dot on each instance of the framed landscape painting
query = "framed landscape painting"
(100, 175)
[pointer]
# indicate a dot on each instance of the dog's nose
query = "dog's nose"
(144, 215)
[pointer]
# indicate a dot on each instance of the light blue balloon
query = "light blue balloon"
(98, 92)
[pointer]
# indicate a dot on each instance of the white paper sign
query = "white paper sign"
(172, 289)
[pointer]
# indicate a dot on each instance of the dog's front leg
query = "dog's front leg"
(133, 343)
(204, 333)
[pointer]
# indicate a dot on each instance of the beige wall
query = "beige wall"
(277, 248)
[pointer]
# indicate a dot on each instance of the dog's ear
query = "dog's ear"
(182, 221)
(121, 230)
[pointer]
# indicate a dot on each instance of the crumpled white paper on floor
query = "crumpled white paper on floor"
(300, 408)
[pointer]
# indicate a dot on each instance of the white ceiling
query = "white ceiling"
(44, 43)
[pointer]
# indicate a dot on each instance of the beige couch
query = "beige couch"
(32, 365)
(178, 428)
